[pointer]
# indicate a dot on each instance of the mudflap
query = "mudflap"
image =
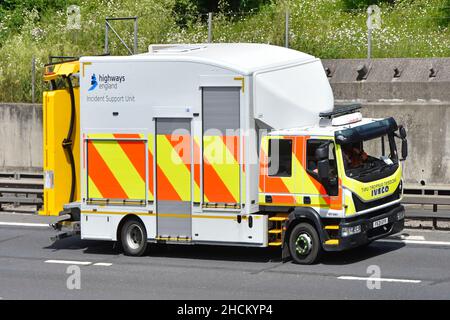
(285, 254)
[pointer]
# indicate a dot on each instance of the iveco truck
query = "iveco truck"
(216, 144)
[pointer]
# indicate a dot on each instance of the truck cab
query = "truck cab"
(336, 185)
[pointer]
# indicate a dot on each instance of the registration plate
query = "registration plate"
(380, 222)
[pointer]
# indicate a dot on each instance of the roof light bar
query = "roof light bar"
(340, 110)
(347, 119)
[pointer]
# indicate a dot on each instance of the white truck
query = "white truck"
(221, 144)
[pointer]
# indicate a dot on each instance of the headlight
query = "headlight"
(401, 215)
(348, 231)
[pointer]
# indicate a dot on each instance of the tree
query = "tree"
(362, 4)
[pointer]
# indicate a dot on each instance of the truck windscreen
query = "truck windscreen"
(371, 157)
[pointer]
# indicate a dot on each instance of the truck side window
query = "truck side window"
(280, 158)
(311, 160)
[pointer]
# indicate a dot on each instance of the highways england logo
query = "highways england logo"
(94, 83)
(105, 82)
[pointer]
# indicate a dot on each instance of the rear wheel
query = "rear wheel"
(133, 237)
(304, 244)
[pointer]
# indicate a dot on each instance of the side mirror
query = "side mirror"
(402, 135)
(404, 149)
(402, 132)
(323, 168)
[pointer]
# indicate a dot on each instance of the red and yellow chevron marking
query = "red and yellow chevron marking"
(173, 165)
(300, 182)
(174, 168)
(308, 185)
(277, 184)
(221, 181)
(311, 185)
(116, 168)
(285, 199)
(244, 178)
(151, 174)
(197, 168)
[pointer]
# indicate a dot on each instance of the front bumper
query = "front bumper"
(368, 232)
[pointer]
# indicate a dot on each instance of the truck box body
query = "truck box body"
(207, 100)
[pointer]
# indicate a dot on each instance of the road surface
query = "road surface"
(415, 266)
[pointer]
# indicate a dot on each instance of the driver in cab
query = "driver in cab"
(354, 155)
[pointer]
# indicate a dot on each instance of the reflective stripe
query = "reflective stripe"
(93, 190)
(116, 166)
(244, 179)
(101, 175)
(273, 184)
(133, 150)
(221, 169)
(120, 213)
(164, 188)
(214, 190)
(197, 162)
(173, 164)
(299, 183)
(122, 168)
(151, 194)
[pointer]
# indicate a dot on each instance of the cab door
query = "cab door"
(324, 196)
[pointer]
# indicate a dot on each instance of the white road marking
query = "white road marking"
(24, 224)
(433, 243)
(19, 213)
(405, 237)
(83, 263)
(378, 279)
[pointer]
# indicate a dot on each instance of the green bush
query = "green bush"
(41, 35)
(444, 13)
(363, 4)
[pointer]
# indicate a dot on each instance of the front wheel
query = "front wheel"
(134, 237)
(304, 244)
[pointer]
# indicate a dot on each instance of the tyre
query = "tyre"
(304, 244)
(133, 237)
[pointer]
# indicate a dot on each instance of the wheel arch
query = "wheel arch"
(125, 219)
(299, 215)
